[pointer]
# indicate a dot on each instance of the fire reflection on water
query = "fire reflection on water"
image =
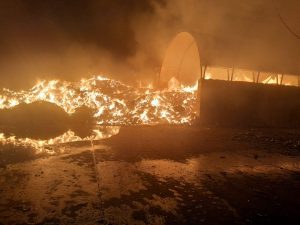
(46, 146)
(185, 178)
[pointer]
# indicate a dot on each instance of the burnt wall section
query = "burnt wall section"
(241, 104)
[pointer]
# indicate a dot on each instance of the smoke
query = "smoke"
(127, 39)
(68, 39)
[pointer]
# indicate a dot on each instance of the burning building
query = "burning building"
(230, 96)
(187, 91)
(158, 133)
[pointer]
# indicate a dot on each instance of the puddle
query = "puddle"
(15, 149)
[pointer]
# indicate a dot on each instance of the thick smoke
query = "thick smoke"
(68, 39)
(127, 39)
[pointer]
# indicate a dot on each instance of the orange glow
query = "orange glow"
(42, 146)
(113, 102)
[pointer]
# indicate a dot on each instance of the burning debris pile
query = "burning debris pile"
(112, 102)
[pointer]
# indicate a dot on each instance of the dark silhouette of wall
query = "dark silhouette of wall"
(242, 104)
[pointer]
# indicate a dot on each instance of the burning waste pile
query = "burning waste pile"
(112, 102)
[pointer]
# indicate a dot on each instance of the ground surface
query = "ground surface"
(159, 175)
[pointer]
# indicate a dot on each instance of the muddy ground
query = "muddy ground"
(158, 175)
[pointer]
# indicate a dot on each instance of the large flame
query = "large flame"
(113, 102)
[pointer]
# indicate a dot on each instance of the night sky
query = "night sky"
(127, 39)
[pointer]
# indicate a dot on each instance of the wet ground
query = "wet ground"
(158, 175)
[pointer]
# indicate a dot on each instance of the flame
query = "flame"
(208, 76)
(113, 102)
(173, 84)
(270, 80)
(44, 146)
(155, 102)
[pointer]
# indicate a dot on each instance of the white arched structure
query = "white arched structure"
(182, 61)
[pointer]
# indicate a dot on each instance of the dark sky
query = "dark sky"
(126, 39)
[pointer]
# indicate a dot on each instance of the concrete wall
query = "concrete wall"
(241, 104)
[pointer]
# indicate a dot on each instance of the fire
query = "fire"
(270, 80)
(113, 102)
(44, 146)
(155, 102)
(208, 76)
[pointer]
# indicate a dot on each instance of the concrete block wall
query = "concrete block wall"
(242, 104)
